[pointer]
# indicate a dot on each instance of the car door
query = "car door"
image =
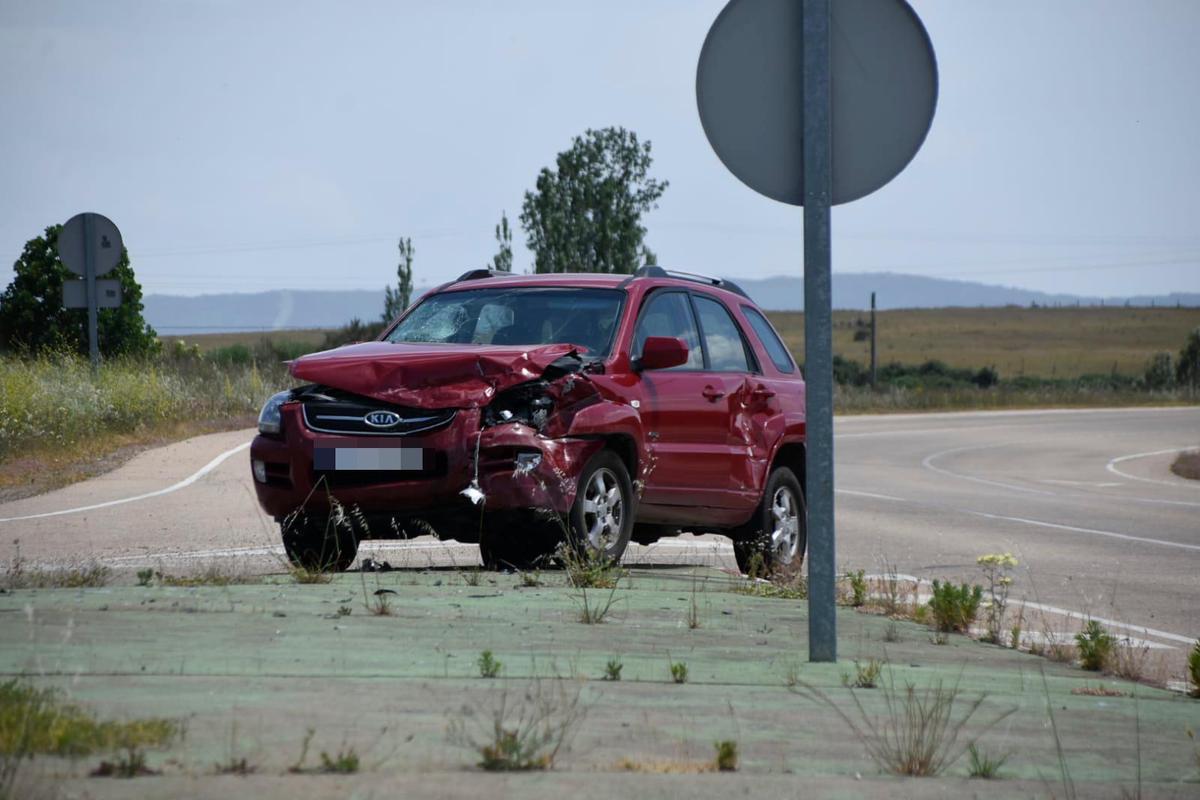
(733, 370)
(684, 412)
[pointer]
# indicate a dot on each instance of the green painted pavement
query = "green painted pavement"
(252, 667)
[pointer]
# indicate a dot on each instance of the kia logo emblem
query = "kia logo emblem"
(382, 419)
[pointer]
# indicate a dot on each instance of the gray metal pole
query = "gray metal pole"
(873, 363)
(818, 334)
(89, 274)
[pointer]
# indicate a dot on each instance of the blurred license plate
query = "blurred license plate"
(339, 459)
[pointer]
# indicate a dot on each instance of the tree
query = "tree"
(33, 319)
(585, 215)
(1187, 369)
(396, 300)
(502, 261)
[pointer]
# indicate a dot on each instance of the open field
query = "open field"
(208, 342)
(1034, 342)
(253, 672)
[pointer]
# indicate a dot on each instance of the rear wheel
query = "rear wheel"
(772, 543)
(318, 544)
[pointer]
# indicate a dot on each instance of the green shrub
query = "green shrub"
(727, 756)
(1096, 646)
(489, 666)
(1194, 670)
(954, 607)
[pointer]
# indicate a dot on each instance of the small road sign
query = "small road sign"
(89, 231)
(90, 245)
(108, 293)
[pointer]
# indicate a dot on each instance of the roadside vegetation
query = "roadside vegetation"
(60, 421)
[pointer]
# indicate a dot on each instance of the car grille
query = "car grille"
(349, 417)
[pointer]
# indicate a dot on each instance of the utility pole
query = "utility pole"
(873, 372)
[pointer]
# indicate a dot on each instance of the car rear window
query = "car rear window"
(770, 340)
(726, 352)
(521, 316)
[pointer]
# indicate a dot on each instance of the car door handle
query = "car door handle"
(761, 393)
(712, 394)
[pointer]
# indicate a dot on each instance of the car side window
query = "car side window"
(670, 314)
(726, 350)
(770, 340)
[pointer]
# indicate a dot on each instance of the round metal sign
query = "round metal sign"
(749, 89)
(96, 231)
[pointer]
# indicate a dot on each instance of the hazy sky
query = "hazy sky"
(244, 146)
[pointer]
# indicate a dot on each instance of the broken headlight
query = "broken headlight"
(269, 419)
(529, 403)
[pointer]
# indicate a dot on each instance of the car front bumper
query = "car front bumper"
(462, 468)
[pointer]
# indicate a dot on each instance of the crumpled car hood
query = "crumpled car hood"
(427, 375)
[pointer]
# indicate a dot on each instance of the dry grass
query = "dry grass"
(522, 732)
(216, 574)
(22, 575)
(666, 766)
(1098, 691)
(1187, 465)
(919, 732)
(1043, 342)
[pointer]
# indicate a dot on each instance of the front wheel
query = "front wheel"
(602, 516)
(773, 541)
(318, 543)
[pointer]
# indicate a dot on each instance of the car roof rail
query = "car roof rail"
(477, 274)
(653, 271)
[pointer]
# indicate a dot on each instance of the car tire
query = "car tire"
(515, 540)
(318, 544)
(773, 542)
(601, 519)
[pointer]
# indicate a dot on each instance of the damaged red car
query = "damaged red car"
(523, 411)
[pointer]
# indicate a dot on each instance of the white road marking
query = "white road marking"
(871, 494)
(188, 481)
(1081, 483)
(1111, 466)
(1074, 529)
(927, 463)
(1026, 521)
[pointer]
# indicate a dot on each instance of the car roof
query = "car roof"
(481, 279)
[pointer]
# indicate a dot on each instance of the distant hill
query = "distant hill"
(286, 308)
(893, 290)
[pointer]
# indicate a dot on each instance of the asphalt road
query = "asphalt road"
(1084, 499)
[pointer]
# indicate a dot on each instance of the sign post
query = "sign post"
(818, 336)
(813, 120)
(90, 245)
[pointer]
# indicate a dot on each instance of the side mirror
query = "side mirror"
(663, 352)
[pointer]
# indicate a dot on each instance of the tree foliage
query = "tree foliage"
(1187, 369)
(585, 214)
(502, 261)
(33, 319)
(396, 300)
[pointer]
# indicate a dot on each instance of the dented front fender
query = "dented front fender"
(522, 469)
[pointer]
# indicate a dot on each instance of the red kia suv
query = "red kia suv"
(521, 411)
